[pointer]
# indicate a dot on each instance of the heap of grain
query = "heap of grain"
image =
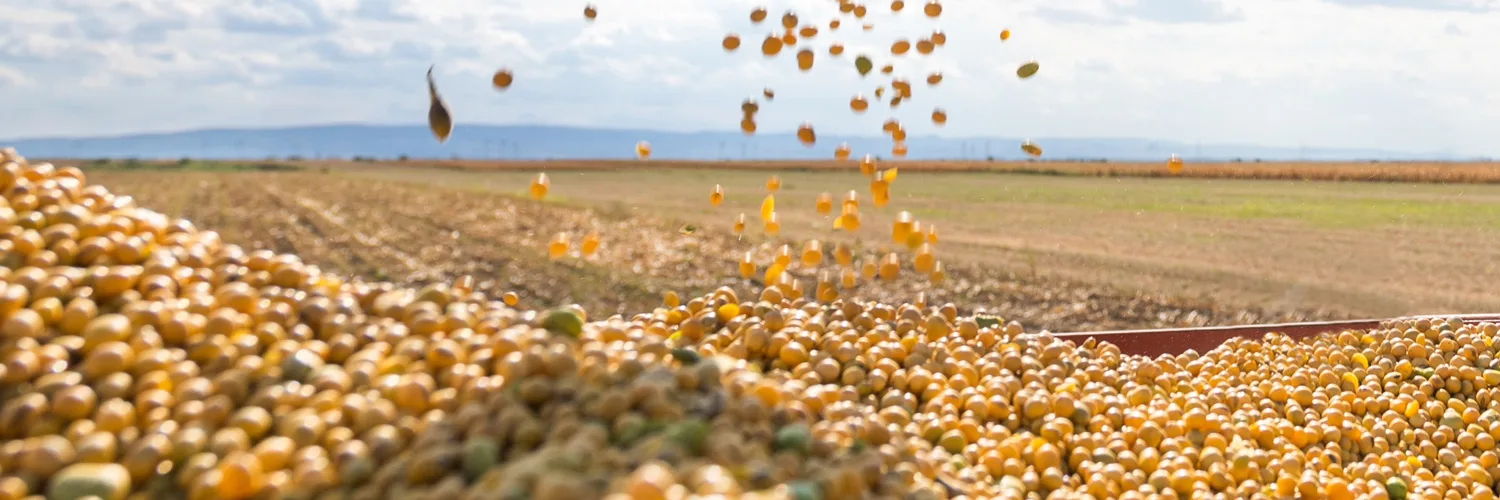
(143, 358)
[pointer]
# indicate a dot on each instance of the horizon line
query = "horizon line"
(680, 132)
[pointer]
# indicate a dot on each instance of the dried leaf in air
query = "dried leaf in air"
(1028, 69)
(864, 65)
(438, 118)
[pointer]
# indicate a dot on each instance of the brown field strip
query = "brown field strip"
(1426, 172)
(418, 234)
(1414, 171)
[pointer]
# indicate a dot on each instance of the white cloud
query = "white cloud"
(12, 78)
(1360, 73)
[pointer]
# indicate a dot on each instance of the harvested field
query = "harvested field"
(1361, 249)
(1282, 249)
(1380, 172)
(1397, 172)
(384, 229)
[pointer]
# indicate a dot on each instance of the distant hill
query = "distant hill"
(551, 142)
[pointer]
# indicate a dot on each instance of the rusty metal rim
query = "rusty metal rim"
(1155, 342)
(1326, 326)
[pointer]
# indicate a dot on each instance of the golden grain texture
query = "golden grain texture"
(144, 358)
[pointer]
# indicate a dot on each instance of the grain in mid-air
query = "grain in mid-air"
(805, 60)
(805, 134)
(539, 186)
(789, 20)
(933, 8)
(859, 104)
(1031, 148)
(502, 79)
(771, 46)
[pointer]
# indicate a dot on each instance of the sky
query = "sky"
(1412, 75)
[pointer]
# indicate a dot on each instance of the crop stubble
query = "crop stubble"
(381, 230)
(1363, 249)
(1477, 172)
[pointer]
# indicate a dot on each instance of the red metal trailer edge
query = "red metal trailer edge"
(1178, 340)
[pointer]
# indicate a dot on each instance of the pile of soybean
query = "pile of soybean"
(143, 358)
